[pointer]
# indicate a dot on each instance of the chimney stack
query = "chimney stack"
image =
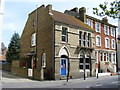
(82, 14)
(74, 9)
(105, 19)
(49, 8)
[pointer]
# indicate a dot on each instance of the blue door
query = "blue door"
(63, 67)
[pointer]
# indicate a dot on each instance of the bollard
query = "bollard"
(97, 75)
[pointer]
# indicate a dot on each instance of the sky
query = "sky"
(16, 13)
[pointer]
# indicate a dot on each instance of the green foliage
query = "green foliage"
(111, 11)
(13, 48)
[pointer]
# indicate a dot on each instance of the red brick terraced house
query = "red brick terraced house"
(105, 40)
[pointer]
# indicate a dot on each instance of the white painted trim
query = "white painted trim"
(106, 38)
(62, 49)
(96, 40)
(86, 70)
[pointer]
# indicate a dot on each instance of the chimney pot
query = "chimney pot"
(105, 19)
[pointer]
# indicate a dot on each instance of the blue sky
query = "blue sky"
(16, 13)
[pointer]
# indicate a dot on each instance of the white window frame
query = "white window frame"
(91, 23)
(112, 31)
(107, 44)
(113, 43)
(66, 36)
(113, 58)
(106, 29)
(33, 39)
(98, 28)
(97, 42)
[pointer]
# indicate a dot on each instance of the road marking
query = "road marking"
(98, 85)
(114, 82)
(88, 87)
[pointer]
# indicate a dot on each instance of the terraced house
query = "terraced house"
(105, 40)
(55, 45)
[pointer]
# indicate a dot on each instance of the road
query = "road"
(11, 81)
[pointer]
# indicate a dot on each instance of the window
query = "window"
(106, 30)
(84, 39)
(107, 42)
(104, 56)
(43, 60)
(34, 22)
(89, 39)
(97, 27)
(113, 44)
(87, 63)
(33, 39)
(98, 41)
(114, 58)
(89, 22)
(64, 34)
(110, 57)
(112, 31)
(81, 63)
(80, 38)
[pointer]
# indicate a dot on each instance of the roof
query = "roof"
(101, 21)
(67, 19)
(2, 46)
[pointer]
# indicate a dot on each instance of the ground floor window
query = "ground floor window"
(85, 63)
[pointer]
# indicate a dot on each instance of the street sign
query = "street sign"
(63, 67)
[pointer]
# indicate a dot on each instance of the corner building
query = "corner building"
(54, 45)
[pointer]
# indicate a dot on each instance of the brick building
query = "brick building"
(105, 40)
(55, 44)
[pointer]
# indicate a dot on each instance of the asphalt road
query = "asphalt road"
(10, 81)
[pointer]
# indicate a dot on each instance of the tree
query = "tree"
(112, 9)
(13, 48)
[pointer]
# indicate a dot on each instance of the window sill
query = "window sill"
(98, 46)
(65, 42)
(86, 70)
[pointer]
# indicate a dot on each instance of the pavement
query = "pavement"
(11, 81)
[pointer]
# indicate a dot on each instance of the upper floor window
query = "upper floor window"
(107, 42)
(64, 34)
(113, 44)
(89, 39)
(33, 39)
(106, 30)
(98, 40)
(110, 57)
(112, 31)
(84, 39)
(97, 27)
(90, 23)
(80, 38)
